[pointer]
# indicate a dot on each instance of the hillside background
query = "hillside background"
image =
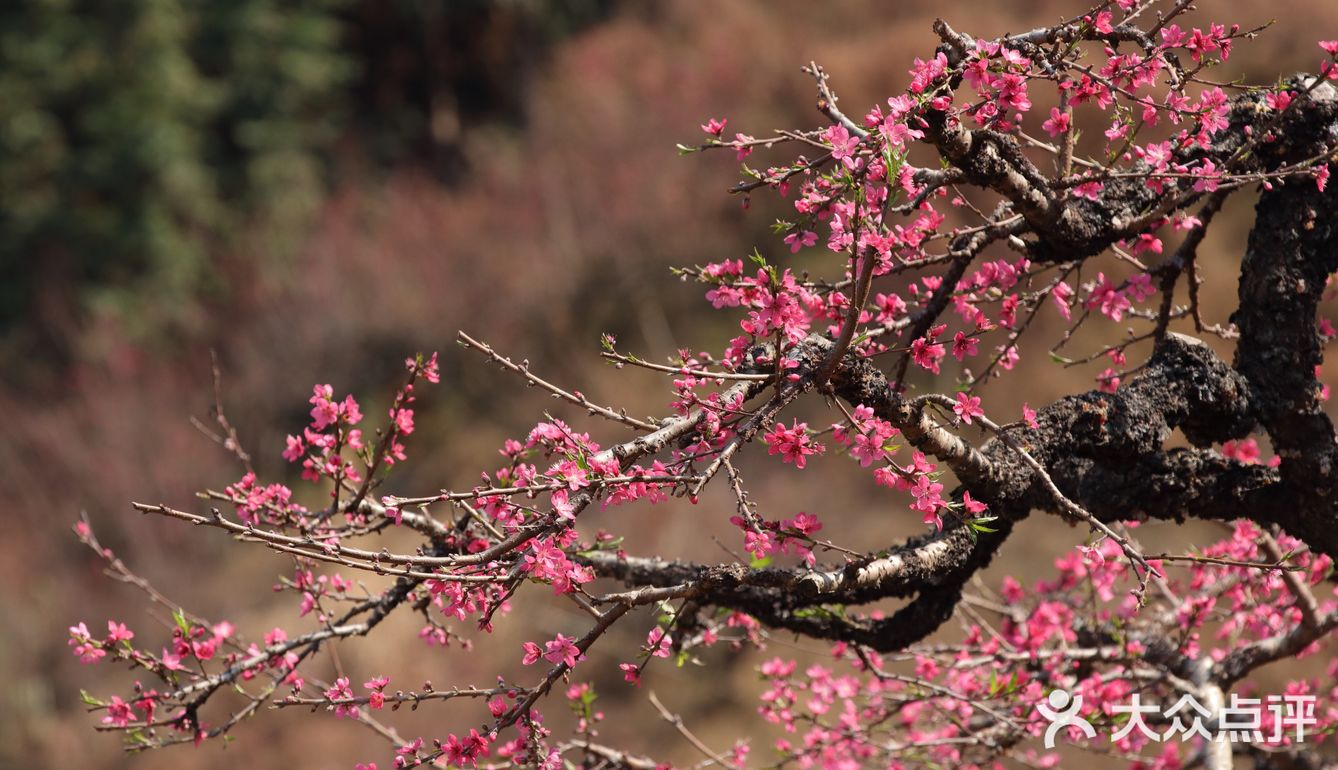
(315, 189)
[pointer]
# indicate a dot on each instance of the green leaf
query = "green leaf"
(835, 611)
(137, 737)
(894, 163)
(179, 616)
(978, 524)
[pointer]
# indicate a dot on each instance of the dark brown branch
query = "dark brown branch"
(1292, 251)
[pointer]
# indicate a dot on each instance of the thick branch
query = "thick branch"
(1293, 249)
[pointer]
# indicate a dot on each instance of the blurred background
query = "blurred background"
(315, 189)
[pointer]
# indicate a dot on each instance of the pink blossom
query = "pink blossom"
(1206, 176)
(805, 524)
(924, 73)
(409, 751)
(928, 499)
(1091, 556)
(1199, 44)
(88, 650)
(1060, 295)
(1245, 451)
(562, 505)
(1029, 417)
(1058, 123)
(800, 240)
(349, 411)
(868, 440)
(1108, 380)
(171, 661)
(532, 653)
(844, 145)
(117, 632)
(963, 346)
(454, 751)
(403, 419)
(118, 713)
(295, 449)
(890, 307)
(1089, 190)
(793, 444)
(968, 407)
(973, 507)
(1147, 242)
(204, 649)
(1278, 100)
(1140, 287)
(324, 411)
(759, 544)
(932, 518)
(1111, 301)
(432, 370)
(1172, 36)
(547, 562)
(742, 146)
(898, 133)
(658, 642)
(571, 474)
(927, 354)
(562, 649)
(340, 691)
(1117, 130)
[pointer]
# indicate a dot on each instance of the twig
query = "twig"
(578, 399)
(677, 722)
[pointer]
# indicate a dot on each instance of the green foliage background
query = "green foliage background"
(139, 131)
(137, 137)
